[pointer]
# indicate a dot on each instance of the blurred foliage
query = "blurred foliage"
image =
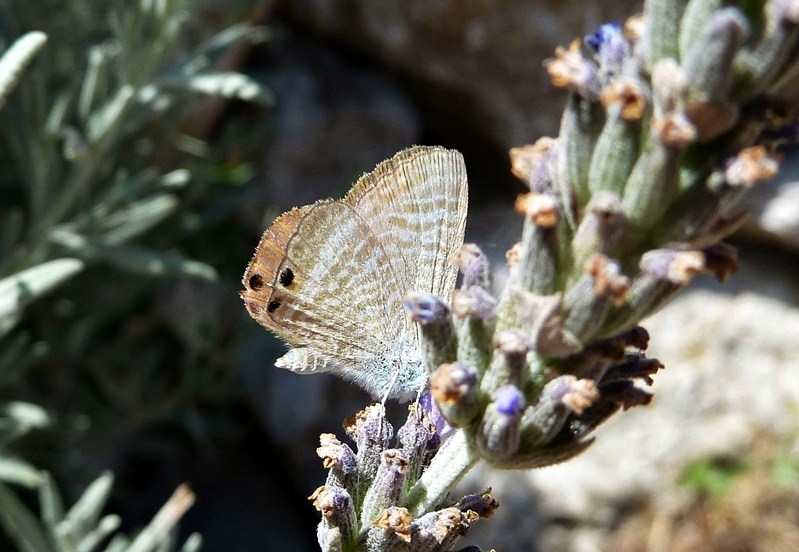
(712, 477)
(104, 188)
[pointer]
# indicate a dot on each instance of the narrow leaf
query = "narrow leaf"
(164, 521)
(16, 59)
(134, 258)
(13, 470)
(20, 524)
(85, 512)
(51, 503)
(108, 524)
(21, 289)
(228, 85)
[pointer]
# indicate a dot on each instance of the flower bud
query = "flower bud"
(499, 430)
(454, 387)
(338, 517)
(438, 334)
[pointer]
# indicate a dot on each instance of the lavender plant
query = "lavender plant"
(81, 188)
(670, 119)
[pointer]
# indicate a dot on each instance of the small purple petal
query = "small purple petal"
(606, 34)
(509, 400)
(430, 406)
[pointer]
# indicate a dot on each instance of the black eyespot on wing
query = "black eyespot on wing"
(256, 282)
(286, 276)
(272, 306)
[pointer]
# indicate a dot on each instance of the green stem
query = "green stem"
(455, 458)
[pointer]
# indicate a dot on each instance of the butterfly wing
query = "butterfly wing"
(329, 278)
(320, 279)
(422, 191)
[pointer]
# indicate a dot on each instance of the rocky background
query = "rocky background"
(711, 464)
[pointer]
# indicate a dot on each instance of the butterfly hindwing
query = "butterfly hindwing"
(329, 278)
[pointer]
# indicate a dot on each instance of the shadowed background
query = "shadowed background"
(167, 380)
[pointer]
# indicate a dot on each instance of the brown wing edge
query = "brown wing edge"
(261, 273)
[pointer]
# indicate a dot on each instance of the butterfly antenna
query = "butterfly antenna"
(389, 387)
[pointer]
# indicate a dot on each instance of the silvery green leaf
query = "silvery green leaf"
(84, 514)
(134, 220)
(88, 91)
(178, 178)
(663, 21)
(160, 530)
(118, 544)
(22, 288)
(26, 416)
(193, 543)
(20, 524)
(51, 503)
(16, 59)
(109, 118)
(133, 258)
(228, 85)
(125, 190)
(108, 524)
(13, 470)
(697, 13)
(156, 263)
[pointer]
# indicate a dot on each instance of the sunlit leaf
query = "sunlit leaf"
(13, 470)
(21, 289)
(16, 58)
(134, 258)
(83, 515)
(228, 85)
(20, 524)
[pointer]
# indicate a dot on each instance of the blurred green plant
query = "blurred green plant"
(92, 99)
(711, 477)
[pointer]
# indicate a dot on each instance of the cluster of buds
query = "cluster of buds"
(669, 118)
(367, 501)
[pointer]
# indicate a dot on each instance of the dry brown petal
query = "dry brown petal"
(396, 518)
(514, 254)
(634, 27)
(711, 119)
(328, 442)
(685, 265)
(674, 129)
(567, 70)
(582, 394)
(752, 165)
(322, 500)
(627, 93)
(525, 160)
(447, 385)
(608, 279)
(540, 208)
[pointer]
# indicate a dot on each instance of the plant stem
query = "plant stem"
(455, 458)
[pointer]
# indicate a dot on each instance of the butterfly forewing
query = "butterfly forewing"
(330, 277)
(341, 317)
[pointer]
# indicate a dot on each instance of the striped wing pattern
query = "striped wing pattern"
(329, 278)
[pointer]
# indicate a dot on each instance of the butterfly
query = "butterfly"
(330, 278)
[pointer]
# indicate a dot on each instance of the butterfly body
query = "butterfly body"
(329, 278)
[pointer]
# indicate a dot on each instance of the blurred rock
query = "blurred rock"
(332, 121)
(775, 207)
(475, 66)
